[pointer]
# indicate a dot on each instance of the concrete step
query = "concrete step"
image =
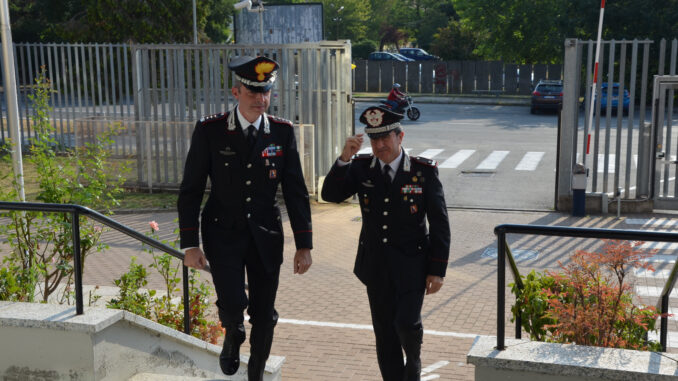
(102, 343)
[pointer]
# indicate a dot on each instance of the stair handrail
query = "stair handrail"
(504, 252)
(77, 211)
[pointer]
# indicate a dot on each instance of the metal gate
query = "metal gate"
(155, 93)
(617, 148)
(174, 85)
(665, 187)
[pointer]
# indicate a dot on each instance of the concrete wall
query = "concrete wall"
(49, 342)
(536, 361)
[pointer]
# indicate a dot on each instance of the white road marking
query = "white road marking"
(493, 160)
(530, 161)
(658, 274)
(434, 366)
(671, 338)
(430, 377)
(368, 327)
(660, 246)
(601, 163)
(430, 153)
(457, 158)
(653, 291)
(662, 222)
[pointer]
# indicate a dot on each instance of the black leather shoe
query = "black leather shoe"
(229, 359)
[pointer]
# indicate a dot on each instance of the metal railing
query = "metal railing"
(504, 252)
(76, 211)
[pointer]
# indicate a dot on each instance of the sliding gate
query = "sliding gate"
(628, 148)
(666, 142)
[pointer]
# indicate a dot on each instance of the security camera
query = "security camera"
(243, 4)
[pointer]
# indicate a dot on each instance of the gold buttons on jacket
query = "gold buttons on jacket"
(248, 182)
(248, 199)
(386, 199)
(386, 213)
(385, 240)
(385, 227)
(249, 165)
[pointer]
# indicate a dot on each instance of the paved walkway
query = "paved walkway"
(324, 330)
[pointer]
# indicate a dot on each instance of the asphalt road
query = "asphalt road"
(489, 156)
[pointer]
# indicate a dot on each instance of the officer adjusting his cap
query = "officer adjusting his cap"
(399, 259)
(246, 154)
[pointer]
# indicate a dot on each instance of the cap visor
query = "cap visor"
(259, 89)
(379, 134)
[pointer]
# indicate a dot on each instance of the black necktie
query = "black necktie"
(251, 137)
(387, 175)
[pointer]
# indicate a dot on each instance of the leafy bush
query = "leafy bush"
(42, 248)
(162, 308)
(42, 251)
(362, 49)
(588, 302)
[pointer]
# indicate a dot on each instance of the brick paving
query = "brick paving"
(330, 293)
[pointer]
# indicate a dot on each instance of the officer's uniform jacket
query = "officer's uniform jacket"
(243, 186)
(394, 235)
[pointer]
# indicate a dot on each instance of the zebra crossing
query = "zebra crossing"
(611, 161)
(491, 160)
(486, 161)
(649, 284)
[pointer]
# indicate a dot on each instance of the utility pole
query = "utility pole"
(11, 95)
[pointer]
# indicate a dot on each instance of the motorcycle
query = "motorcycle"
(406, 107)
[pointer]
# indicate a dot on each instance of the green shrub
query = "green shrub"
(588, 302)
(42, 243)
(362, 49)
(161, 308)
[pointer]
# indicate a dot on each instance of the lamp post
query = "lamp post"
(336, 20)
(11, 94)
(260, 10)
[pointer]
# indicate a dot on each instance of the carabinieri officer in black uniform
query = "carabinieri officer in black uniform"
(398, 259)
(246, 154)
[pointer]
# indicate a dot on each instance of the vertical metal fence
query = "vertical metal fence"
(617, 147)
(452, 77)
(155, 94)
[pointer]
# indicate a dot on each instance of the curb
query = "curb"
(490, 100)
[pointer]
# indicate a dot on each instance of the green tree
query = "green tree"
(515, 30)
(346, 19)
(533, 31)
(141, 21)
(453, 42)
(37, 20)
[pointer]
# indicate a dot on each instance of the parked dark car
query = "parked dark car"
(418, 54)
(547, 95)
(385, 56)
(615, 98)
(402, 57)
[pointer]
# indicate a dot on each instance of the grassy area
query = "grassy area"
(135, 200)
(130, 199)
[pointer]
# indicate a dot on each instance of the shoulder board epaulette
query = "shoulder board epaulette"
(425, 161)
(362, 156)
(213, 117)
(277, 119)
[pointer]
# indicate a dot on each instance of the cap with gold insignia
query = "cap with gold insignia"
(379, 121)
(256, 73)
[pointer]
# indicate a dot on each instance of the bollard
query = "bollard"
(579, 190)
